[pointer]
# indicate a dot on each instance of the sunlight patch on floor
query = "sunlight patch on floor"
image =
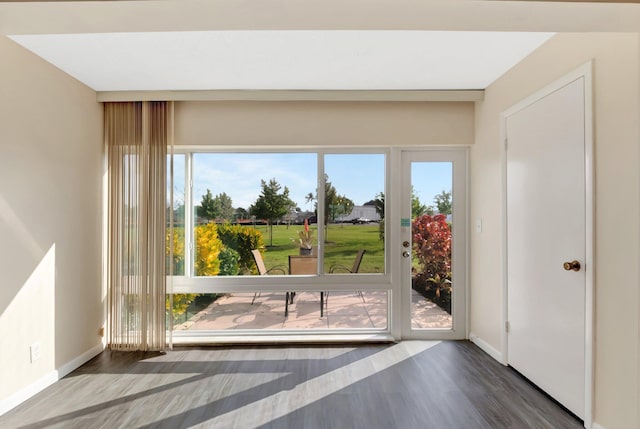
(265, 410)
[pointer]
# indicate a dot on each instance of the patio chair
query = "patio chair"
(263, 271)
(353, 270)
(299, 264)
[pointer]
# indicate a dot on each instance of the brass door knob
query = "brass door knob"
(572, 266)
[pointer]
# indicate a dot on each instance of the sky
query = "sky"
(431, 178)
(359, 177)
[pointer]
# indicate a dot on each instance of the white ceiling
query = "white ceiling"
(285, 60)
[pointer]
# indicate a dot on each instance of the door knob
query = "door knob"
(572, 266)
(406, 254)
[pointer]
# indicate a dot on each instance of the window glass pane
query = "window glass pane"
(175, 246)
(266, 310)
(354, 213)
(251, 201)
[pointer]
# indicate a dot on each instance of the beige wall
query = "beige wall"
(318, 123)
(50, 196)
(160, 15)
(616, 77)
(50, 214)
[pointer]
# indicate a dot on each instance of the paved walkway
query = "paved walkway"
(426, 314)
(344, 310)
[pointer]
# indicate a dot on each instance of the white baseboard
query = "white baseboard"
(48, 379)
(486, 347)
(79, 361)
(27, 392)
(596, 426)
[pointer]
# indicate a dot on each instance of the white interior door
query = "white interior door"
(546, 228)
(433, 246)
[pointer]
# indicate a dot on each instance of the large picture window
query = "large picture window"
(241, 220)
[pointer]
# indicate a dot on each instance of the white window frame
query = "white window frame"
(189, 283)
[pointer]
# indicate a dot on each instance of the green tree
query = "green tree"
(330, 194)
(271, 204)
(218, 207)
(417, 208)
(340, 205)
(178, 213)
(223, 207)
(206, 209)
(241, 213)
(378, 203)
(310, 197)
(443, 202)
(335, 204)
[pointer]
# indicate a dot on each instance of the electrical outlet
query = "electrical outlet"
(35, 351)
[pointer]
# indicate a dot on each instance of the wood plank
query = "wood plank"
(413, 384)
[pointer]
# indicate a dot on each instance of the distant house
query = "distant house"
(299, 217)
(361, 212)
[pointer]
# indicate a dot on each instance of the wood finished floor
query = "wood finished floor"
(412, 384)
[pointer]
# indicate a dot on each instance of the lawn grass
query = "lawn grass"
(343, 242)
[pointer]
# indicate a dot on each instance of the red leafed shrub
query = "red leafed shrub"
(432, 249)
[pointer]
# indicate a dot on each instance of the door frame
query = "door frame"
(586, 72)
(459, 155)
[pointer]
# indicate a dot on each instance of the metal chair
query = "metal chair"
(263, 271)
(353, 270)
(301, 265)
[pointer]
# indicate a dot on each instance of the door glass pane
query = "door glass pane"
(354, 213)
(431, 233)
(251, 201)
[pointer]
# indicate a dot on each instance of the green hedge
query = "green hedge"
(242, 239)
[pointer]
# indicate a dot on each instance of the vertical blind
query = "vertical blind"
(136, 138)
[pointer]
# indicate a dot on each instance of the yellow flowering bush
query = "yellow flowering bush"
(219, 250)
(207, 263)
(208, 247)
(178, 251)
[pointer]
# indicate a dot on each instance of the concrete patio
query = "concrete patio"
(344, 310)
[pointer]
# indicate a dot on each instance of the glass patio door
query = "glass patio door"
(432, 250)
